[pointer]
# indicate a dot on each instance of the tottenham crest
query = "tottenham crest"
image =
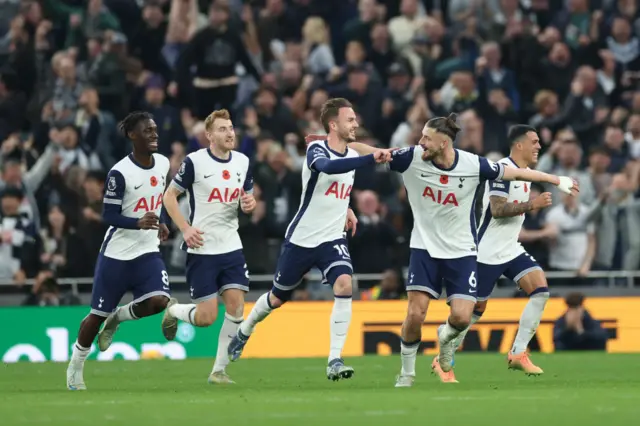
(111, 186)
(183, 168)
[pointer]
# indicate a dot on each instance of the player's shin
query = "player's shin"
(227, 332)
(411, 335)
(339, 325)
(408, 355)
(530, 319)
(184, 312)
(126, 313)
(78, 355)
(260, 311)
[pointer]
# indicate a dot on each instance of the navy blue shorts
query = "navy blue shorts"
(211, 274)
(515, 269)
(332, 259)
(429, 275)
(145, 276)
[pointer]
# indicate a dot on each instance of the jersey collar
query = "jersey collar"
(219, 160)
(453, 166)
(326, 144)
(133, 160)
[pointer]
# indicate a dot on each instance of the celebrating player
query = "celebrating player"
(217, 180)
(315, 236)
(500, 253)
(442, 186)
(129, 258)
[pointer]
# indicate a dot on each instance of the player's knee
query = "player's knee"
(416, 313)
(156, 304)
(460, 316)
(207, 312)
(275, 301)
(343, 286)
(234, 302)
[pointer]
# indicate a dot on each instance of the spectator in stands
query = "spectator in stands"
(167, 117)
(47, 292)
(317, 51)
(98, 133)
(29, 182)
(372, 246)
(577, 330)
(214, 51)
(564, 157)
(575, 247)
(63, 249)
(391, 287)
(17, 238)
(13, 104)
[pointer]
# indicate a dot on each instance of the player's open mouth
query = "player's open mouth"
(153, 144)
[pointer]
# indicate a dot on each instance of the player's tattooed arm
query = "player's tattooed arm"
(500, 207)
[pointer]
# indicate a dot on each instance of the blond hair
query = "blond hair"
(543, 98)
(315, 30)
(220, 114)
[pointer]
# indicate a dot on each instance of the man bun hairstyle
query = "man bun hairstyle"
(518, 131)
(330, 110)
(130, 122)
(222, 114)
(445, 125)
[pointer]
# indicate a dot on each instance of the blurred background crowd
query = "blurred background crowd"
(70, 69)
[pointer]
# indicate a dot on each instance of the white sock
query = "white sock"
(408, 353)
(184, 312)
(125, 313)
(339, 325)
(449, 333)
(79, 355)
(529, 321)
(259, 312)
(227, 332)
(457, 342)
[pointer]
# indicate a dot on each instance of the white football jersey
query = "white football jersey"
(443, 202)
(136, 190)
(324, 202)
(214, 187)
(498, 238)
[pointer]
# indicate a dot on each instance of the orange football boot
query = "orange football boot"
(522, 362)
(449, 377)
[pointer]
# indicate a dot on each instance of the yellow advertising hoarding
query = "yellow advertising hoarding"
(301, 329)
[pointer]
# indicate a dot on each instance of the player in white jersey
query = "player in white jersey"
(129, 258)
(500, 253)
(315, 236)
(217, 180)
(442, 186)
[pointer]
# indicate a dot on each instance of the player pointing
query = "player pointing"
(217, 180)
(500, 253)
(129, 258)
(442, 187)
(315, 235)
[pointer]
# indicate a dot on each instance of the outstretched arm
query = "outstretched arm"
(496, 171)
(318, 160)
(340, 165)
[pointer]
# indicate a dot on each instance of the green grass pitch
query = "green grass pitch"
(580, 388)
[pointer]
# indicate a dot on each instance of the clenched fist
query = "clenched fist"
(542, 201)
(150, 220)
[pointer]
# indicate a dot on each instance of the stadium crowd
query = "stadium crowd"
(71, 69)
